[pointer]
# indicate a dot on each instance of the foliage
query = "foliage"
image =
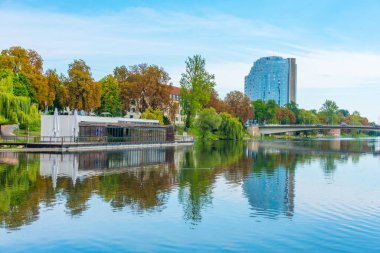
(240, 105)
(218, 104)
(15, 109)
(329, 112)
(208, 123)
(196, 88)
(230, 128)
(83, 93)
(29, 64)
(146, 85)
(151, 113)
(285, 116)
(110, 99)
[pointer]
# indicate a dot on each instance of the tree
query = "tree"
(293, 106)
(259, 108)
(240, 105)
(151, 113)
(285, 116)
(307, 117)
(53, 84)
(196, 88)
(218, 104)
(110, 99)
(83, 92)
(146, 85)
(230, 128)
(29, 64)
(329, 111)
(270, 112)
(208, 123)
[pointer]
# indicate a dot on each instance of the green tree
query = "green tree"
(230, 128)
(293, 106)
(110, 99)
(307, 117)
(208, 123)
(270, 112)
(196, 88)
(329, 111)
(259, 108)
(151, 113)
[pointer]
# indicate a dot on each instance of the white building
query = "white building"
(67, 125)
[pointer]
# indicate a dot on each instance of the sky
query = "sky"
(336, 43)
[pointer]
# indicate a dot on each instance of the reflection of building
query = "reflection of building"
(271, 192)
(272, 78)
(79, 165)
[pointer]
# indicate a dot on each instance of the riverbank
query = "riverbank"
(79, 148)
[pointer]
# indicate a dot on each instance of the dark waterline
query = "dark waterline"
(269, 196)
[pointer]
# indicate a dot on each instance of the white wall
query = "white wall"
(66, 123)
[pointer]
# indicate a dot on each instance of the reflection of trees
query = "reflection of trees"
(21, 191)
(200, 167)
(143, 189)
(143, 183)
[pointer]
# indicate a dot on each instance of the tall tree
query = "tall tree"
(329, 111)
(146, 85)
(110, 99)
(196, 88)
(83, 92)
(53, 85)
(240, 105)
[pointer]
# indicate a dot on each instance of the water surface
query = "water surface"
(270, 196)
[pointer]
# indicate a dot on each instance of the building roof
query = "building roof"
(173, 90)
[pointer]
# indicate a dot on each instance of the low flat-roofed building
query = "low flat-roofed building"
(106, 129)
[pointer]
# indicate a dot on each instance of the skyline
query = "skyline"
(337, 51)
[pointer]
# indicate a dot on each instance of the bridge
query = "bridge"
(277, 129)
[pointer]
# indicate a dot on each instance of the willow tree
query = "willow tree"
(15, 109)
(29, 64)
(196, 88)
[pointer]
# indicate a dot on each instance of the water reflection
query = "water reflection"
(142, 180)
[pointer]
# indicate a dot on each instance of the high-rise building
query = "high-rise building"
(272, 78)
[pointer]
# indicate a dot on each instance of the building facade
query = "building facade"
(177, 119)
(272, 78)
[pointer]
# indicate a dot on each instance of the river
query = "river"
(260, 196)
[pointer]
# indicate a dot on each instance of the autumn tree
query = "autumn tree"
(218, 104)
(146, 85)
(285, 116)
(29, 64)
(53, 84)
(83, 92)
(240, 105)
(110, 99)
(196, 88)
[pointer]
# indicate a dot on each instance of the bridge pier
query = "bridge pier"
(334, 132)
(254, 131)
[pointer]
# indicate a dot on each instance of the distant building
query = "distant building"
(133, 113)
(272, 78)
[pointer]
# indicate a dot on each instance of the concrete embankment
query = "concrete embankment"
(78, 148)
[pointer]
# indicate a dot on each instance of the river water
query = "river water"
(260, 196)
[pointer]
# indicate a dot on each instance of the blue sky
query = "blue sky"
(336, 43)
